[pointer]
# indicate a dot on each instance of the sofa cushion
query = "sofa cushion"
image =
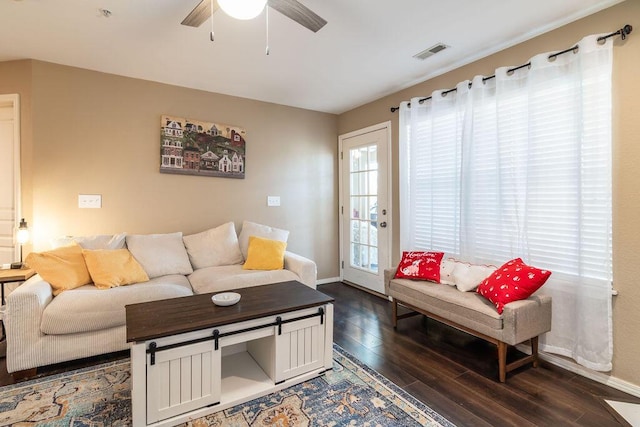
(465, 308)
(98, 241)
(446, 271)
(111, 268)
(229, 277)
(468, 276)
(160, 254)
(217, 246)
(514, 281)
(64, 268)
(88, 308)
(265, 254)
(266, 232)
(420, 265)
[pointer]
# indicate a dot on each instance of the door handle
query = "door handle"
(383, 225)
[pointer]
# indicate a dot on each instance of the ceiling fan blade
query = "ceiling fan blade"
(295, 10)
(200, 13)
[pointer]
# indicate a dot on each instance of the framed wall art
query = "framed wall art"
(195, 147)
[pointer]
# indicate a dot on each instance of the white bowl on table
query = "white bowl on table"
(225, 298)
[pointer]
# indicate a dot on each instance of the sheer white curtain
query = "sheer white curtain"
(520, 166)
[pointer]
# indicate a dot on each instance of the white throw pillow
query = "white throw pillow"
(214, 247)
(252, 229)
(99, 241)
(446, 271)
(468, 276)
(160, 254)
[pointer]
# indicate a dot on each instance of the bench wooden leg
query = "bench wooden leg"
(502, 361)
(394, 315)
(534, 351)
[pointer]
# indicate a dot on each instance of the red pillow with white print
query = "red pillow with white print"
(420, 266)
(514, 281)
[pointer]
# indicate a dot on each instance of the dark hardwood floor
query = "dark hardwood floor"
(450, 371)
(456, 374)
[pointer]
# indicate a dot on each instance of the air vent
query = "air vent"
(431, 51)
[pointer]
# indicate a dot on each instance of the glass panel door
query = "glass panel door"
(364, 213)
(364, 208)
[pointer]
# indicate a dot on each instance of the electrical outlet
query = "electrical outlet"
(273, 200)
(89, 201)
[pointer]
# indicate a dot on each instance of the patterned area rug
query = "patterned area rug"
(349, 395)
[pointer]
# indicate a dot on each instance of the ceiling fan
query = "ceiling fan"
(292, 9)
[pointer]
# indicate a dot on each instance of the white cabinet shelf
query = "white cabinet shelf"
(184, 377)
(242, 376)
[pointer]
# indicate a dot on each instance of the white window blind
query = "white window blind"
(520, 166)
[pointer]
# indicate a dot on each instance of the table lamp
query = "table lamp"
(22, 236)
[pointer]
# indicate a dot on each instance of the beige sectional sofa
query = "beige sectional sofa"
(43, 329)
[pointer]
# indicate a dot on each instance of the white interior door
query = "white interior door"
(9, 176)
(365, 206)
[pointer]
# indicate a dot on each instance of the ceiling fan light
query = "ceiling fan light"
(242, 9)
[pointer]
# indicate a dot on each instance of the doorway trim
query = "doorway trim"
(341, 202)
(13, 101)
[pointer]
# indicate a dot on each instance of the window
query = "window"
(520, 166)
(513, 175)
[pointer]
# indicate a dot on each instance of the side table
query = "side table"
(10, 276)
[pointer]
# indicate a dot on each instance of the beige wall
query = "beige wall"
(95, 133)
(626, 154)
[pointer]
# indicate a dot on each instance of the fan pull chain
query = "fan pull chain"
(211, 34)
(267, 15)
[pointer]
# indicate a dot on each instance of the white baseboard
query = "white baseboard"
(328, 280)
(599, 377)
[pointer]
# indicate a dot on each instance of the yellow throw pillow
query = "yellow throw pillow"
(64, 268)
(111, 268)
(265, 254)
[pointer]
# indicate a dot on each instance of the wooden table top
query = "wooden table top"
(16, 275)
(155, 319)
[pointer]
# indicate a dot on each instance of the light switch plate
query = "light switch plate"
(89, 201)
(273, 200)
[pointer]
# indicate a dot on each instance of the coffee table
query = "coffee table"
(190, 358)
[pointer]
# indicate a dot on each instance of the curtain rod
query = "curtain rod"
(622, 32)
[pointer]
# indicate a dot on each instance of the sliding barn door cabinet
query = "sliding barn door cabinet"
(182, 377)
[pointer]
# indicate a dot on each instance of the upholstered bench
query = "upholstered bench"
(470, 312)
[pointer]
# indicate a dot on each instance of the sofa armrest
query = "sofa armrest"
(389, 273)
(526, 319)
(304, 267)
(23, 318)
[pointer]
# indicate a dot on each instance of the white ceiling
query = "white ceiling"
(363, 53)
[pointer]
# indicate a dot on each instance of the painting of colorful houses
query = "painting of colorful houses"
(194, 147)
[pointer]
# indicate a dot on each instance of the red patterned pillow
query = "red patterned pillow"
(420, 266)
(514, 281)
